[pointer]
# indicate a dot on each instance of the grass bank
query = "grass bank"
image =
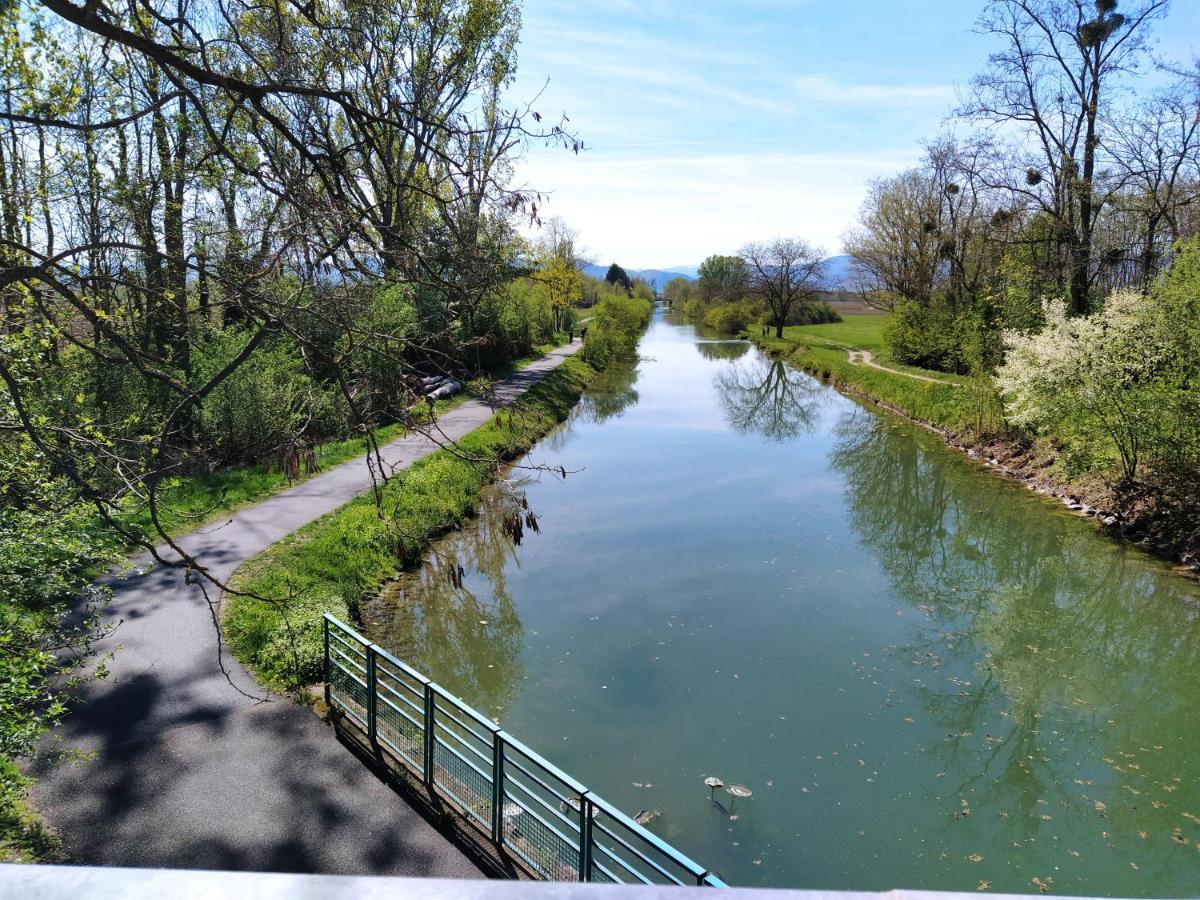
(195, 500)
(332, 563)
(950, 403)
(24, 837)
(967, 413)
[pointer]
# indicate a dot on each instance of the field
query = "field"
(861, 331)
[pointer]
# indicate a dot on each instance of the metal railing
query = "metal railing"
(546, 821)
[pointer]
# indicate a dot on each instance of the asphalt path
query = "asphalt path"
(178, 769)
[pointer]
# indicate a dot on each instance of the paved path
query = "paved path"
(186, 772)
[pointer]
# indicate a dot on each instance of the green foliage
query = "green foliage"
(616, 324)
(50, 549)
(330, 564)
(925, 335)
(722, 279)
(1102, 383)
(642, 289)
(677, 291)
(267, 401)
(812, 313)
(730, 318)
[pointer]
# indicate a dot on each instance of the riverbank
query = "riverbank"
(967, 415)
(329, 565)
(272, 616)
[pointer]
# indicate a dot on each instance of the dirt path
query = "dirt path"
(180, 770)
(864, 357)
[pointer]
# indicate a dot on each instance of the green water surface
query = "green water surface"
(929, 677)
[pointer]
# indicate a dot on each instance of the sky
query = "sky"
(710, 124)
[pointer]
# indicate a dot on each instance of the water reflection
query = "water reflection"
(433, 618)
(723, 350)
(1050, 662)
(610, 394)
(767, 397)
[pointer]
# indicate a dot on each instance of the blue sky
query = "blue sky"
(712, 123)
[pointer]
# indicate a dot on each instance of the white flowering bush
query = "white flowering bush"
(1096, 381)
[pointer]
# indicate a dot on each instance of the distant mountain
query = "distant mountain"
(656, 278)
(689, 272)
(839, 273)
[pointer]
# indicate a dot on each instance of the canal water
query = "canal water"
(928, 677)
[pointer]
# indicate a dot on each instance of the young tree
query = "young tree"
(784, 273)
(722, 279)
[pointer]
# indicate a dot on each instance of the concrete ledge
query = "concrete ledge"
(77, 882)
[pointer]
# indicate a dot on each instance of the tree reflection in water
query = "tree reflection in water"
(432, 619)
(723, 350)
(609, 395)
(768, 398)
(1060, 669)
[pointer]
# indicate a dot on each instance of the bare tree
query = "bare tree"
(1155, 147)
(1055, 77)
(784, 273)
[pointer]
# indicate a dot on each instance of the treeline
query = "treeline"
(1049, 249)
(229, 230)
(778, 282)
(1072, 186)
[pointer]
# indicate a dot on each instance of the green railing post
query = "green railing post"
(372, 696)
(325, 635)
(429, 735)
(498, 787)
(585, 837)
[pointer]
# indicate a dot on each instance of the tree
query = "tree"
(559, 257)
(1055, 77)
(564, 284)
(677, 291)
(721, 279)
(1092, 378)
(783, 273)
(617, 275)
(1154, 150)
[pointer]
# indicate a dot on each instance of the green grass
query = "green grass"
(860, 332)
(196, 500)
(332, 563)
(24, 838)
(958, 404)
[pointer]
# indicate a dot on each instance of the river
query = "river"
(929, 677)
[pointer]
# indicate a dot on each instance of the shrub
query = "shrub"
(614, 329)
(924, 336)
(1099, 382)
(730, 318)
(818, 313)
(266, 401)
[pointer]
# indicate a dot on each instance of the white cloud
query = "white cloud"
(650, 210)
